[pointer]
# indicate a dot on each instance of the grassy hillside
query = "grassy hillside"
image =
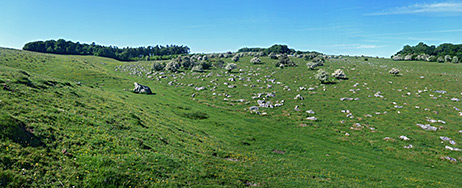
(72, 121)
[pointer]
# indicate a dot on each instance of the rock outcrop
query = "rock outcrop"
(142, 89)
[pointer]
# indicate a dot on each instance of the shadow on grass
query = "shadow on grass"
(17, 131)
(144, 93)
(329, 83)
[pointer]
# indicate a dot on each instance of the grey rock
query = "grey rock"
(299, 97)
(452, 149)
(451, 159)
(441, 91)
(199, 88)
(270, 95)
(408, 146)
(254, 108)
(312, 118)
(427, 127)
(142, 89)
(310, 111)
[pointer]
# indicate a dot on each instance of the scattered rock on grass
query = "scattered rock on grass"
(142, 89)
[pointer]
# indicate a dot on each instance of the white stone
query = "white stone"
(404, 138)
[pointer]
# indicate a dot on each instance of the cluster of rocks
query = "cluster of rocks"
(266, 99)
(132, 69)
(284, 61)
(425, 57)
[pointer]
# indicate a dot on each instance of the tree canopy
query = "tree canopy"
(277, 48)
(62, 46)
(440, 51)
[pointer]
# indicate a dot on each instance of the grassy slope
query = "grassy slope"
(115, 137)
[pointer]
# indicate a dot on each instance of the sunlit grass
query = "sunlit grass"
(95, 133)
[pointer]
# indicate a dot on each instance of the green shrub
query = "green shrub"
(157, 66)
(285, 61)
(322, 76)
(218, 64)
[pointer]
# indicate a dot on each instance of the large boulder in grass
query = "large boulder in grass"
(172, 66)
(408, 57)
(255, 60)
(455, 59)
(339, 74)
(447, 58)
(397, 58)
(142, 89)
(235, 58)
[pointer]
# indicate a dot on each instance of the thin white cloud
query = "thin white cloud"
(323, 28)
(420, 8)
(412, 33)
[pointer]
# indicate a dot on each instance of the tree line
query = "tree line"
(62, 46)
(437, 51)
(277, 49)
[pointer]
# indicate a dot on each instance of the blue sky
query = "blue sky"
(354, 27)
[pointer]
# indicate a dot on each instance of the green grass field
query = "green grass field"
(73, 121)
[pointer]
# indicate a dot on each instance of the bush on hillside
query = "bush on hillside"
(285, 61)
(157, 66)
(218, 64)
(322, 76)
(185, 62)
(205, 65)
